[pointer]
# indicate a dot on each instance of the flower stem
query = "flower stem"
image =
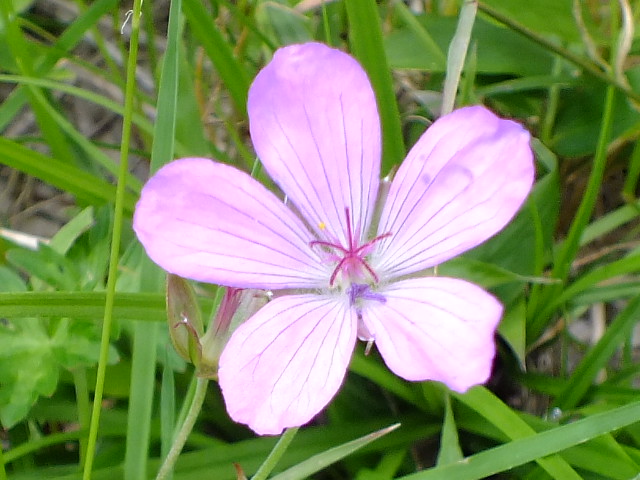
(276, 454)
(185, 430)
(116, 236)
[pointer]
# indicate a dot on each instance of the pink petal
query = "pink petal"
(284, 364)
(315, 127)
(211, 222)
(436, 328)
(462, 182)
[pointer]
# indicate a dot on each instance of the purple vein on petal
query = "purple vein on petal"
(304, 239)
(332, 195)
(415, 180)
(433, 365)
(330, 325)
(410, 253)
(327, 321)
(421, 241)
(300, 163)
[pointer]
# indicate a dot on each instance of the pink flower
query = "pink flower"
(348, 270)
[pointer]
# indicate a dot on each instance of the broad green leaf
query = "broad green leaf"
(31, 357)
(554, 17)
(513, 329)
(579, 121)
(10, 281)
(499, 50)
(283, 24)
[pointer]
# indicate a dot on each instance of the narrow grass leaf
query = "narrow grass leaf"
(614, 337)
(506, 420)
(231, 71)
(85, 186)
(143, 365)
(535, 447)
(365, 36)
(450, 450)
(318, 462)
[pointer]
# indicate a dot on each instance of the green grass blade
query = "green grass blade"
(457, 55)
(116, 238)
(536, 447)
(365, 35)
(85, 186)
(17, 45)
(318, 462)
(231, 71)
(571, 245)
(508, 422)
(145, 336)
(84, 305)
(64, 44)
(597, 358)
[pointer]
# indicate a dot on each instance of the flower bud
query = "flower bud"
(184, 319)
(237, 305)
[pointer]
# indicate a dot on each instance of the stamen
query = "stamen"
(351, 253)
(322, 243)
(367, 349)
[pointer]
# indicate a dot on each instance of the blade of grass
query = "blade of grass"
(145, 335)
(167, 407)
(569, 249)
(144, 306)
(139, 120)
(231, 71)
(457, 54)
(365, 36)
(322, 460)
(587, 65)
(115, 241)
(597, 358)
(275, 455)
(84, 407)
(65, 43)
(183, 434)
(524, 450)
(450, 450)
(626, 265)
(428, 44)
(85, 186)
(92, 152)
(508, 422)
(17, 46)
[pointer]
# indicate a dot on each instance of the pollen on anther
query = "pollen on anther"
(322, 226)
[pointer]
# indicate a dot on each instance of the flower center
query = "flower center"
(351, 259)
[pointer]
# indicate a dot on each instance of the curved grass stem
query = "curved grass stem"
(116, 237)
(276, 454)
(185, 430)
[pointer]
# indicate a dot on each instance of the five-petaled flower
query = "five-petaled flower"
(346, 266)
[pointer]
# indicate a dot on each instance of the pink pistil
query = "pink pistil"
(352, 254)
